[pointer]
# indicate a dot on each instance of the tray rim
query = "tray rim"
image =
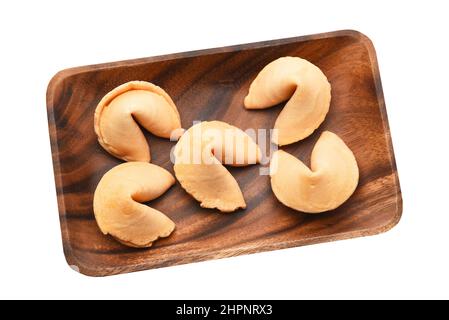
(58, 80)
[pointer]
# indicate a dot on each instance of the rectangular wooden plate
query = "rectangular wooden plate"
(207, 85)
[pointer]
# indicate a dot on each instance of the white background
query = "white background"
(38, 38)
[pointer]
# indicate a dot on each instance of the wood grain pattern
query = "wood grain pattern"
(207, 85)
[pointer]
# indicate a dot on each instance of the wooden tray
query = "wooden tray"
(211, 84)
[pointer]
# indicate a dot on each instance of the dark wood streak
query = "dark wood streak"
(208, 85)
(201, 74)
